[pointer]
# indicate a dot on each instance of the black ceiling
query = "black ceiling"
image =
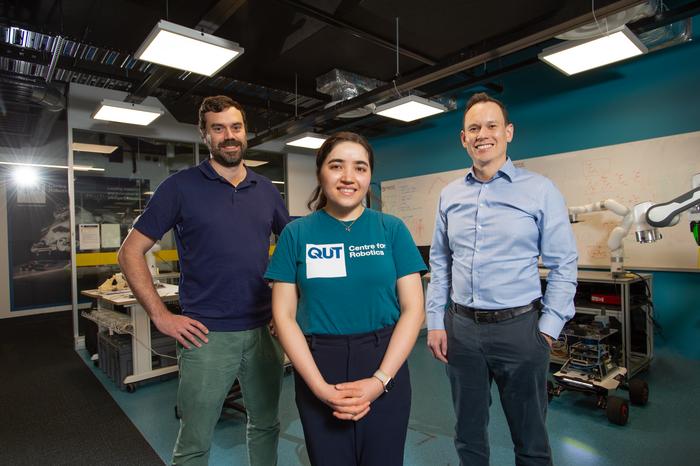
(444, 46)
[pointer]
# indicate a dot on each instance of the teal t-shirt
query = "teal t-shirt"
(346, 279)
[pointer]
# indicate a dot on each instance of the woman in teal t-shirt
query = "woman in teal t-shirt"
(348, 305)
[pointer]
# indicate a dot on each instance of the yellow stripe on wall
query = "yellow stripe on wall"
(92, 259)
(167, 255)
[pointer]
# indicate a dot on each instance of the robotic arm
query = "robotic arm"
(645, 218)
(648, 217)
(616, 235)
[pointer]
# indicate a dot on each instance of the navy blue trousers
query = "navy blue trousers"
(377, 439)
(516, 356)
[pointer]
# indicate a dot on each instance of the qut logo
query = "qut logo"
(325, 260)
(324, 252)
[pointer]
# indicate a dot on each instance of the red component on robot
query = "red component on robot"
(605, 298)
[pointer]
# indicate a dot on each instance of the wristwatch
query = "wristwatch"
(386, 381)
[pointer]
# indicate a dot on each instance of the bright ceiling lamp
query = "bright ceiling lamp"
(186, 49)
(577, 56)
(94, 148)
(307, 140)
(125, 112)
(25, 176)
(410, 108)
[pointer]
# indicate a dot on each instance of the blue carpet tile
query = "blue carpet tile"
(666, 431)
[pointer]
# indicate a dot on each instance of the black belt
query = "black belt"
(485, 316)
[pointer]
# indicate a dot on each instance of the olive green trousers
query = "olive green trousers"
(206, 376)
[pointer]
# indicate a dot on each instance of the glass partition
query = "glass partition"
(108, 201)
(114, 177)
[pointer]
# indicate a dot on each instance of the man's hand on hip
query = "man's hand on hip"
(183, 329)
(437, 342)
(548, 339)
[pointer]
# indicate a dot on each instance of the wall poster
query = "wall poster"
(39, 231)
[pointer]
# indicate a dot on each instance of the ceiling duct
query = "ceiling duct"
(48, 97)
(666, 36)
(655, 39)
(344, 85)
(29, 111)
(612, 22)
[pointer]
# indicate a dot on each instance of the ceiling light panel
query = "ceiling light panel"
(578, 56)
(94, 148)
(410, 108)
(125, 112)
(307, 140)
(186, 49)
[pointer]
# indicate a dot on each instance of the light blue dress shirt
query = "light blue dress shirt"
(488, 237)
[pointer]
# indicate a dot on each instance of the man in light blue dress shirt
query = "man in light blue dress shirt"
(485, 317)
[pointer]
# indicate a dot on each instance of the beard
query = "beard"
(227, 159)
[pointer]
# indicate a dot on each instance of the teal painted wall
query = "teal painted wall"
(653, 96)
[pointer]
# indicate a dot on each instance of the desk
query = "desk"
(140, 329)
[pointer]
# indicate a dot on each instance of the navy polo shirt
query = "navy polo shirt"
(223, 238)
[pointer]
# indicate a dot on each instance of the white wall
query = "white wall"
(301, 175)
(301, 180)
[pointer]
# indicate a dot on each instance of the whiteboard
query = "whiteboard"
(655, 170)
(414, 200)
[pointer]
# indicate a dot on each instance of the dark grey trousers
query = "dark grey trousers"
(516, 356)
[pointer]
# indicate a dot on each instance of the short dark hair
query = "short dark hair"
(318, 200)
(216, 104)
(480, 98)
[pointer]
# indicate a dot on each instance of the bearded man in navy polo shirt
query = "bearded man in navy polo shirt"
(222, 215)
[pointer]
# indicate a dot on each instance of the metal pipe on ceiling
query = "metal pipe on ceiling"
(58, 46)
(664, 18)
(435, 73)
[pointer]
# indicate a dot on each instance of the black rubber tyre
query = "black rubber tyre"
(130, 387)
(639, 392)
(618, 410)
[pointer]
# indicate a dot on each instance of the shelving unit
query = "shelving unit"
(632, 317)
